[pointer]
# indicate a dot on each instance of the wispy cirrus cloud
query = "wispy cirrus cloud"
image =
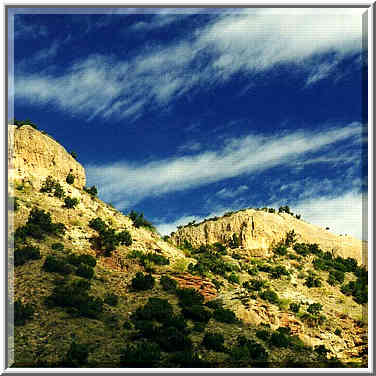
(125, 184)
(231, 193)
(250, 41)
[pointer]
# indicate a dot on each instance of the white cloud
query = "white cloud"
(252, 41)
(124, 184)
(231, 193)
(345, 214)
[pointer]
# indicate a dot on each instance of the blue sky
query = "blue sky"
(188, 113)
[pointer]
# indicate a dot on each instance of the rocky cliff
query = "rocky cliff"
(258, 231)
(32, 156)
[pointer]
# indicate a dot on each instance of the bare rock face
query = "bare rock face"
(32, 156)
(257, 231)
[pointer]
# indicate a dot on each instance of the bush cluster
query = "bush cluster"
(22, 312)
(142, 282)
(108, 239)
(24, 254)
(38, 225)
(234, 242)
(139, 220)
(168, 284)
(171, 335)
(53, 264)
(111, 299)
(248, 352)
(76, 356)
(70, 202)
(270, 296)
(312, 281)
(208, 260)
(74, 296)
(70, 178)
(50, 185)
(214, 341)
(233, 278)
(145, 355)
(57, 247)
(225, 315)
(20, 123)
(254, 285)
(93, 191)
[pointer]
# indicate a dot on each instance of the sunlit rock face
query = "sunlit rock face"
(32, 156)
(258, 230)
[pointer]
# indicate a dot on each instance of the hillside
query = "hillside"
(95, 288)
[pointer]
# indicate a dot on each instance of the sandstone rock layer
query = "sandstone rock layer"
(258, 231)
(32, 156)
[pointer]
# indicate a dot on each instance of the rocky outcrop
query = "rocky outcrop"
(32, 156)
(257, 231)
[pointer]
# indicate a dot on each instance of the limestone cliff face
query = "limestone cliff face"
(32, 156)
(258, 230)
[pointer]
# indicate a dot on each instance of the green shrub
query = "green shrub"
(338, 332)
(290, 238)
(214, 304)
(321, 350)
(225, 315)
(263, 334)
(20, 123)
(75, 297)
(57, 247)
(175, 321)
(187, 359)
(312, 281)
(53, 264)
(253, 271)
(294, 307)
(189, 297)
(93, 191)
(145, 354)
(22, 255)
(336, 277)
(139, 220)
(249, 351)
(70, 203)
(38, 225)
(171, 339)
(168, 284)
(233, 278)
(73, 154)
(279, 339)
(280, 249)
(278, 271)
(220, 248)
(253, 285)
(70, 178)
(125, 238)
(234, 242)
(22, 313)
(314, 308)
(127, 325)
(87, 260)
(155, 309)
(142, 282)
(111, 299)
(214, 341)
(270, 296)
(85, 271)
(77, 355)
(97, 224)
(196, 312)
